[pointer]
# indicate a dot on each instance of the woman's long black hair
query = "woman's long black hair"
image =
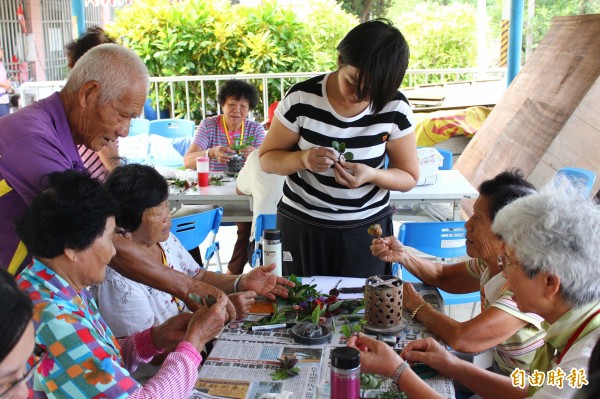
(15, 313)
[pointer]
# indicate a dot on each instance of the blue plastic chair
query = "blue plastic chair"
(582, 177)
(139, 126)
(172, 128)
(193, 230)
(444, 240)
(135, 148)
(263, 222)
(447, 164)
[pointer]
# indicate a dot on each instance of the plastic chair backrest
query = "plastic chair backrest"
(440, 239)
(578, 176)
(263, 222)
(447, 164)
(139, 126)
(172, 128)
(192, 230)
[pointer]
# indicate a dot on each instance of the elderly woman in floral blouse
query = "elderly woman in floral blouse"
(128, 306)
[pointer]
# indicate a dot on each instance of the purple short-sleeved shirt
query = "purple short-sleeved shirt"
(210, 133)
(34, 142)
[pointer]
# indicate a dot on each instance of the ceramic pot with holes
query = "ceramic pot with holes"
(234, 165)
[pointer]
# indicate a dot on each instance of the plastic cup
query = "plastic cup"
(202, 169)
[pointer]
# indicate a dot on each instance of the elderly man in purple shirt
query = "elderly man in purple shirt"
(94, 108)
(104, 91)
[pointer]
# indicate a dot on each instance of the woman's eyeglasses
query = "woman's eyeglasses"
(40, 353)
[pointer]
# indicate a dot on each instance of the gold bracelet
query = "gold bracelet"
(414, 313)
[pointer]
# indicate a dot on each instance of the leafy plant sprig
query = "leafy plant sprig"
(238, 145)
(341, 148)
(317, 313)
(301, 292)
(287, 369)
(351, 327)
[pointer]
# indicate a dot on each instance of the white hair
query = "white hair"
(115, 67)
(556, 231)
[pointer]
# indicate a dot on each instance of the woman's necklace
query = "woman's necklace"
(173, 298)
(227, 133)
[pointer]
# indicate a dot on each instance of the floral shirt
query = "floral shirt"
(129, 307)
(85, 360)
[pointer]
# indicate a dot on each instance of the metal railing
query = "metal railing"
(32, 91)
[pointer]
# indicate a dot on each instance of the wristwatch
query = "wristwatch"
(399, 370)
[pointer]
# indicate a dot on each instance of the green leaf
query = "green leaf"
(349, 156)
(342, 147)
(336, 145)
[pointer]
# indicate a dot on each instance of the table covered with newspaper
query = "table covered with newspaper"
(242, 362)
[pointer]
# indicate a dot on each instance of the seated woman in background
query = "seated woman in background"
(214, 139)
(514, 334)
(127, 306)
(552, 262)
(16, 339)
(69, 230)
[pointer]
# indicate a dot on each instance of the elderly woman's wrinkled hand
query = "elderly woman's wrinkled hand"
(169, 334)
(352, 174)
(319, 159)
(223, 154)
(389, 249)
(207, 323)
(242, 302)
(262, 281)
(430, 352)
(202, 289)
(375, 356)
(411, 299)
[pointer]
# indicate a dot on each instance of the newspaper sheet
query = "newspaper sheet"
(242, 361)
(242, 370)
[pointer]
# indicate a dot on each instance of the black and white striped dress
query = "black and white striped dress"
(316, 198)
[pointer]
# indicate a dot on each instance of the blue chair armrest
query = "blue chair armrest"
(256, 255)
(210, 251)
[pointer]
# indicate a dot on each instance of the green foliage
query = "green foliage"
(287, 369)
(212, 37)
(438, 36)
(366, 9)
(545, 10)
(351, 327)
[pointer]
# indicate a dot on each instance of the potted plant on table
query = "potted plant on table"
(236, 162)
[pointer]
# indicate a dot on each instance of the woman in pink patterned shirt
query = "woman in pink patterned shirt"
(69, 230)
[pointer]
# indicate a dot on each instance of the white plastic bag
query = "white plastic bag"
(429, 162)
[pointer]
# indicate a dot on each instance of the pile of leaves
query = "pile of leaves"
(183, 183)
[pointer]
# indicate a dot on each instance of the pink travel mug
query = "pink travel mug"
(202, 169)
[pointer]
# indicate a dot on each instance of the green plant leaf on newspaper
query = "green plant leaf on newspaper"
(287, 369)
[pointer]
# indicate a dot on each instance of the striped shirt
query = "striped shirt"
(210, 133)
(85, 360)
(317, 196)
(93, 163)
(519, 349)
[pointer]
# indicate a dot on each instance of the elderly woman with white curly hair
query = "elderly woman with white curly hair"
(552, 263)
